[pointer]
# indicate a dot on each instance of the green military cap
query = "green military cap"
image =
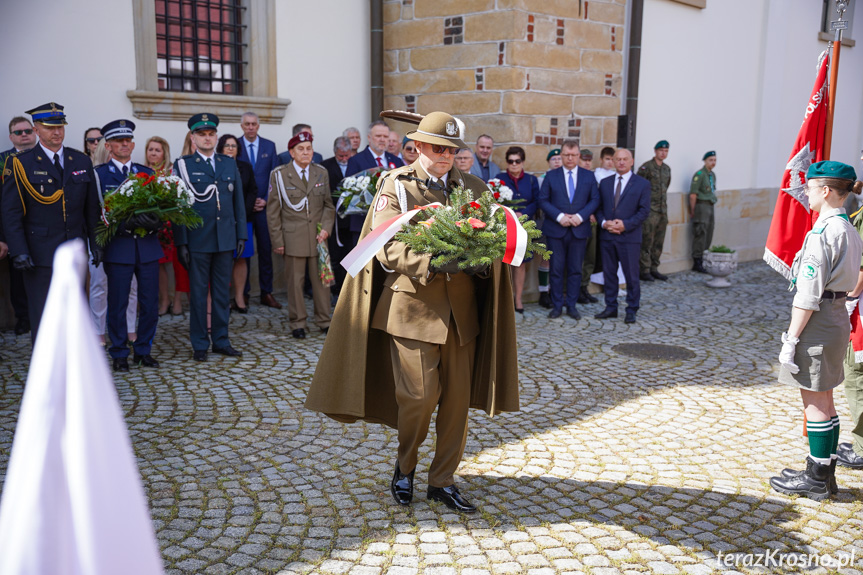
(438, 128)
(553, 153)
(831, 169)
(661, 144)
(203, 122)
(586, 154)
(709, 154)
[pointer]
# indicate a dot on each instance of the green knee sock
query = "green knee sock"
(543, 279)
(835, 445)
(820, 440)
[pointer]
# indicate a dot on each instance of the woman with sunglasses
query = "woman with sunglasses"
(92, 138)
(524, 187)
(409, 151)
(230, 146)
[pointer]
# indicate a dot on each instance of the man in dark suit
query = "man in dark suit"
(339, 242)
(206, 251)
(23, 137)
(374, 156)
(49, 197)
(261, 154)
(129, 254)
(568, 197)
(285, 157)
(625, 204)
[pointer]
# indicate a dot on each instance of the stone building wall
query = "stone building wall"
(527, 72)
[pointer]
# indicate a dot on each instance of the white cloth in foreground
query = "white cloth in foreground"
(73, 502)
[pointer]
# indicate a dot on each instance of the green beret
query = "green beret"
(831, 169)
(661, 144)
(709, 154)
(553, 153)
(586, 154)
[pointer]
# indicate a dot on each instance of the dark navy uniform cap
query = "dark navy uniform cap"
(118, 129)
(831, 169)
(50, 114)
(553, 153)
(203, 122)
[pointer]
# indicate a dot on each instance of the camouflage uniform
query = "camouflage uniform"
(653, 229)
(703, 187)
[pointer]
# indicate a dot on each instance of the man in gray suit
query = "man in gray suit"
(484, 167)
(206, 251)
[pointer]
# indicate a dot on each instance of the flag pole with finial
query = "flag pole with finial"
(837, 26)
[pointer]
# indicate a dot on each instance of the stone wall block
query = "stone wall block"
(534, 55)
(457, 56)
(391, 60)
(567, 82)
(502, 128)
(557, 8)
(607, 12)
(605, 62)
(536, 104)
(587, 35)
(505, 78)
(429, 82)
(591, 132)
(596, 106)
(495, 26)
(459, 104)
(412, 33)
(404, 60)
(392, 12)
(609, 131)
(392, 103)
(429, 8)
(545, 30)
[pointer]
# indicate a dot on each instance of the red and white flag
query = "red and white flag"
(792, 218)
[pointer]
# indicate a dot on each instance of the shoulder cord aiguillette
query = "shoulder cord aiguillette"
(20, 175)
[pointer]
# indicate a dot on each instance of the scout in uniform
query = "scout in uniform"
(702, 196)
(407, 337)
(299, 201)
(49, 197)
(658, 173)
(813, 348)
(207, 251)
(128, 256)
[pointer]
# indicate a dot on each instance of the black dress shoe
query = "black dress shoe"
(200, 355)
(645, 277)
(630, 317)
(519, 310)
(544, 300)
(606, 313)
(659, 276)
(585, 295)
(325, 330)
(572, 312)
(145, 360)
(227, 350)
(849, 458)
(121, 364)
(402, 486)
(22, 326)
(299, 333)
(555, 313)
(450, 497)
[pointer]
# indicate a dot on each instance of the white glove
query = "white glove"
(851, 305)
(786, 354)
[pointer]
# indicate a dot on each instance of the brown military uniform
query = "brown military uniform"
(433, 321)
(294, 210)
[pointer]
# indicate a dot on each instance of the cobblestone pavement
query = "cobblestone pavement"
(614, 464)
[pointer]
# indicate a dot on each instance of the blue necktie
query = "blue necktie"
(252, 155)
(125, 171)
(570, 185)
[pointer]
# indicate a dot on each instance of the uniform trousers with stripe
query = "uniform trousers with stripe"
(431, 375)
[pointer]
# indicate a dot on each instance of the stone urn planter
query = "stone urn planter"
(720, 265)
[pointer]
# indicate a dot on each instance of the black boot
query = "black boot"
(544, 300)
(698, 266)
(812, 483)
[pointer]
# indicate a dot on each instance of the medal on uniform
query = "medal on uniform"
(230, 187)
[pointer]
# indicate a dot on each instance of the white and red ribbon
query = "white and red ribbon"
(356, 260)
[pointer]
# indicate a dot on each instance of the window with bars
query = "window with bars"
(200, 46)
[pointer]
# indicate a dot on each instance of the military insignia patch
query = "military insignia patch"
(808, 272)
(382, 203)
(451, 129)
(230, 187)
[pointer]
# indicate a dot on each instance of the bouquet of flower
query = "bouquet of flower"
(325, 267)
(472, 232)
(503, 194)
(143, 202)
(356, 193)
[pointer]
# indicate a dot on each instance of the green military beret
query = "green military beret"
(553, 153)
(831, 169)
(709, 154)
(203, 122)
(661, 144)
(586, 155)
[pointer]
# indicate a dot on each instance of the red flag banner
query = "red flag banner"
(792, 218)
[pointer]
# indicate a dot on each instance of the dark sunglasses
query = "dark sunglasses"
(94, 140)
(22, 132)
(442, 149)
(515, 161)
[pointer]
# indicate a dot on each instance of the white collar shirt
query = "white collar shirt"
(50, 154)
